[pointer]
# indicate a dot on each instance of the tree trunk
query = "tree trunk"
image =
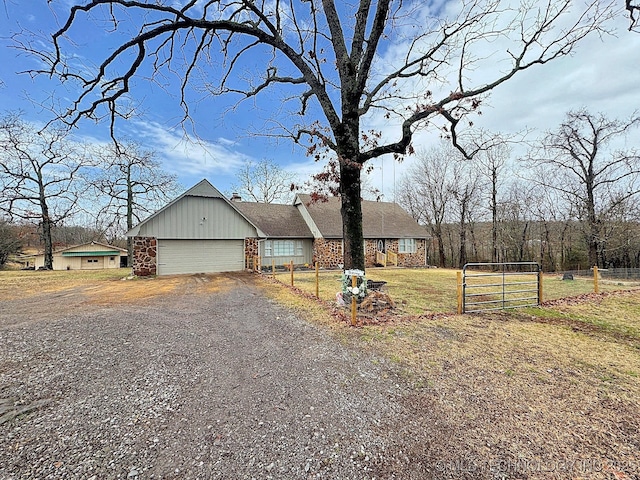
(351, 211)
(130, 201)
(46, 238)
(494, 215)
(462, 259)
(437, 232)
(46, 224)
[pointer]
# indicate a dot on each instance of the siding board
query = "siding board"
(198, 218)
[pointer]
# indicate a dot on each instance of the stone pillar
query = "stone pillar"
(251, 250)
(145, 253)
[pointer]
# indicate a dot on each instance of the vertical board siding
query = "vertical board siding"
(199, 218)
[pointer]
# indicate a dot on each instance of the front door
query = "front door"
(382, 246)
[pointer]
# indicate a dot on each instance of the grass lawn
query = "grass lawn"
(541, 386)
(433, 290)
(15, 283)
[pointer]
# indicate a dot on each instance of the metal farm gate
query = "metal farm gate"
(496, 286)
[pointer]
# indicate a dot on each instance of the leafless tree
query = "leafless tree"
(264, 181)
(465, 189)
(345, 66)
(491, 164)
(634, 9)
(39, 176)
(133, 183)
(427, 191)
(583, 160)
(10, 241)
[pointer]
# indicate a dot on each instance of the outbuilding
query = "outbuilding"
(87, 256)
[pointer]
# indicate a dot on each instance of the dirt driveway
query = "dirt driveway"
(208, 380)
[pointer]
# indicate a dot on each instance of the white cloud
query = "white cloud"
(185, 155)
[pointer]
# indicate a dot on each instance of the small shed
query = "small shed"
(87, 256)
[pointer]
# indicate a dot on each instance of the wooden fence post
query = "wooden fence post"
(317, 282)
(273, 269)
(596, 287)
(291, 268)
(354, 305)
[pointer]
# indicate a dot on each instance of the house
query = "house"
(87, 256)
(202, 231)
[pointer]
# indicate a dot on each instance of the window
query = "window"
(92, 260)
(407, 245)
(283, 248)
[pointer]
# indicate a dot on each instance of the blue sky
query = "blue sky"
(604, 76)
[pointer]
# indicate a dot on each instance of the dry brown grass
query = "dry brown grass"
(103, 287)
(539, 386)
(22, 284)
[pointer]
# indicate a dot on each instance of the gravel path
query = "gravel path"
(190, 385)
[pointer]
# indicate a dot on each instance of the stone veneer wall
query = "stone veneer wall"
(144, 256)
(251, 249)
(417, 259)
(327, 252)
(404, 259)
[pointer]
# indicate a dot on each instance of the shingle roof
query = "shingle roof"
(275, 220)
(379, 219)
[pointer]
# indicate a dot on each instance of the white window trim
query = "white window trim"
(402, 245)
(274, 248)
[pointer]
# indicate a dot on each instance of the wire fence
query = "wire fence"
(607, 273)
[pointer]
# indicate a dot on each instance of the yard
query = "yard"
(549, 392)
(421, 291)
(543, 392)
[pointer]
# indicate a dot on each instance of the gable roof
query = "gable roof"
(379, 219)
(275, 220)
(203, 189)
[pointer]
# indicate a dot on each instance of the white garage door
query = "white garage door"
(200, 256)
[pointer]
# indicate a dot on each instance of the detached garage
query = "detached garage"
(87, 256)
(198, 232)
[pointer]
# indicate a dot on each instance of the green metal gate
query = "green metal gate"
(496, 286)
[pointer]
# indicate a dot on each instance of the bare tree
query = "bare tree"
(10, 241)
(580, 160)
(465, 189)
(345, 66)
(634, 9)
(491, 164)
(265, 181)
(134, 184)
(39, 176)
(426, 192)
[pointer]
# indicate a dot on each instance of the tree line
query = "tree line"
(571, 201)
(50, 179)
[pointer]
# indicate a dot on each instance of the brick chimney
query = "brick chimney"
(235, 197)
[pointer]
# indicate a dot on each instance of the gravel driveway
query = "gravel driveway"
(190, 385)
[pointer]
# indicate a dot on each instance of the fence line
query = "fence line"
(613, 273)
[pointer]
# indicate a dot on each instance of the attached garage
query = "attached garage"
(199, 256)
(198, 232)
